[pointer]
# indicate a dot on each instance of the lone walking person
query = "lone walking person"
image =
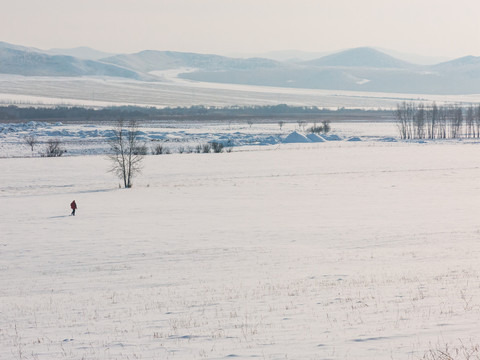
(73, 205)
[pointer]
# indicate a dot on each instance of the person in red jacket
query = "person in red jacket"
(73, 205)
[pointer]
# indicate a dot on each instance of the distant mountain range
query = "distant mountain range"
(149, 60)
(360, 69)
(19, 60)
(81, 52)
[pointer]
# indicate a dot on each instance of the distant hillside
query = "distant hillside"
(286, 55)
(150, 60)
(414, 58)
(460, 64)
(81, 52)
(4, 45)
(32, 63)
(361, 69)
(361, 57)
(351, 79)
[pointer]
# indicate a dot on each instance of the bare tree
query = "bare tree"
(442, 123)
(125, 157)
(404, 115)
(470, 122)
(477, 121)
(326, 126)
(217, 147)
(206, 148)
(54, 148)
(302, 124)
(456, 121)
(31, 140)
(401, 119)
(161, 149)
(419, 122)
(281, 123)
(432, 121)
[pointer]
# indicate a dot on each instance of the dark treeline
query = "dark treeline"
(420, 121)
(152, 113)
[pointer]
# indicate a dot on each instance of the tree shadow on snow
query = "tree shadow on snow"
(96, 191)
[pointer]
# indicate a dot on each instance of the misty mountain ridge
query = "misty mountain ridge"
(465, 61)
(285, 55)
(364, 57)
(152, 60)
(302, 56)
(5, 45)
(34, 63)
(81, 52)
(359, 69)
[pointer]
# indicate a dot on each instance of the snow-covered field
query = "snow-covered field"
(333, 250)
(174, 91)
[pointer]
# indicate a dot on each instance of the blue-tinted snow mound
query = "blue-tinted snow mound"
(355, 138)
(332, 137)
(315, 138)
(388, 139)
(295, 137)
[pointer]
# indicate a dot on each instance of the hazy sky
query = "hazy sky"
(427, 27)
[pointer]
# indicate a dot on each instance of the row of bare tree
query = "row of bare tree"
(53, 147)
(420, 121)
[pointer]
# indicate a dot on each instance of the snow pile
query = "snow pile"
(295, 137)
(78, 138)
(29, 126)
(268, 140)
(332, 137)
(388, 139)
(315, 138)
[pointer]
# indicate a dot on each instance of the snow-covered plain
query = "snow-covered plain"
(174, 91)
(334, 250)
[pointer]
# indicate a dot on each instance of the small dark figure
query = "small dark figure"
(73, 205)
